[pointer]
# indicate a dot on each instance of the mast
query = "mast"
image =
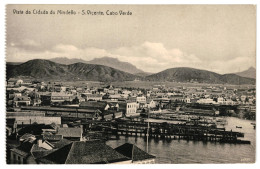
(147, 135)
(133, 153)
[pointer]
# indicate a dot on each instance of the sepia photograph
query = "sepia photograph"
(130, 84)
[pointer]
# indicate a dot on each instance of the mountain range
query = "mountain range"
(106, 61)
(185, 74)
(49, 70)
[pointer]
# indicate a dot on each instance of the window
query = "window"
(19, 160)
(14, 158)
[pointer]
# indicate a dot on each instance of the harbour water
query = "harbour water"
(185, 152)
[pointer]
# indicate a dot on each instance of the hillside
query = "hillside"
(250, 73)
(48, 70)
(184, 74)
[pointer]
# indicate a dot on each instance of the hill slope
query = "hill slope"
(48, 70)
(250, 73)
(184, 74)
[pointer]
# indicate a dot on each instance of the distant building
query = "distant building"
(73, 134)
(128, 108)
(21, 101)
(141, 99)
(92, 97)
(151, 103)
(56, 98)
(95, 105)
(26, 120)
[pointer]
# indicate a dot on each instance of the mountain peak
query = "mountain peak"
(251, 68)
(250, 73)
(117, 64)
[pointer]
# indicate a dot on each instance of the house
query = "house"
(11, 126)
(21, 101)
(11, 81)
(27, 120)
(220, 100)
(85, 152)
(29, 151)
(92, 97)
(141, 99)
(73, 134)
(22, 153)
(13, 94)
(36, 129)
(56, 98)
(151, 103)
(187, 100)
(95, 105)
(134, 153)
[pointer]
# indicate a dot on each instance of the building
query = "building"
(95, 105)
(141, 99)
(19, 101)
(129, 108)
(30, 150)
(27, 120)
(56, 98)
(73, 134)
(22, 153)
(92, 97)
(151, 103)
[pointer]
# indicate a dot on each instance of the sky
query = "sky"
(219, 38)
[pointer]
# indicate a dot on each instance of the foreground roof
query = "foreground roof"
(90, 152)
(133, 152)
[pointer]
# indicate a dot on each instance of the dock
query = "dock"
(165, 131)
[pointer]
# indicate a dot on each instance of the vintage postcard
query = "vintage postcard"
(130, 84)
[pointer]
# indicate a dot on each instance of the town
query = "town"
(58, 123)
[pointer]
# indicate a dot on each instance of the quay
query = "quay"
(163, 131)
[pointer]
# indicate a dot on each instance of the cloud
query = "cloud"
(65, 48)
(148, 56)
(26, 44)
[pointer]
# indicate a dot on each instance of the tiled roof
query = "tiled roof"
(35, 129)
(93, 152)
(24, 149)
(10, 122)
(50, 137)
(69, 132)
(93, 105)
(26, 136)
(57, 157)
(61, 143)
(90, 152)
(133, 152)
(39, 152)
(22, 98)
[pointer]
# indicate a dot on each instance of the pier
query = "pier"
(165, 131)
